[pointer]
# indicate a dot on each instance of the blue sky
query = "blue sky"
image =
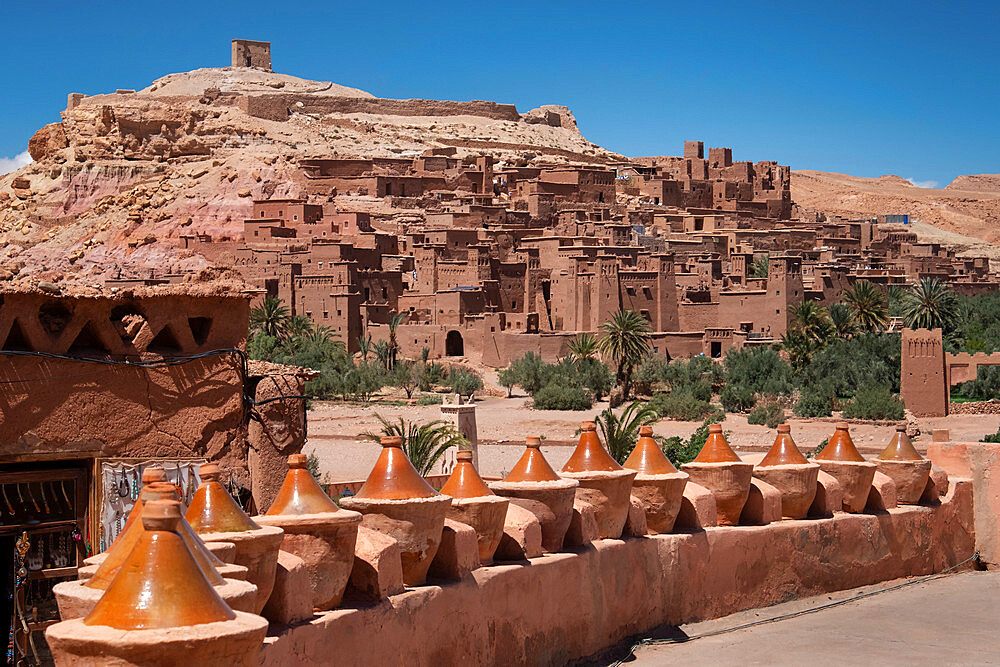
(863, 88)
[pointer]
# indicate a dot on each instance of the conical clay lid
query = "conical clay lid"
(716, 449)
(465, 481)
(590, 455)
(900, 448)
(840, 447)
(117, 556)
(647, 457)
(532, 466)
(160, 585)
(783, 451)
(393, 477)
(212, 509)
(300, 493)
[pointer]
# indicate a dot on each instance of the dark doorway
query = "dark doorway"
(716, 349)
(454, 346)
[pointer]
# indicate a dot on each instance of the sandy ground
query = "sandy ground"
(503, 423)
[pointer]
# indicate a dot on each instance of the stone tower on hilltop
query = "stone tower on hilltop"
(247, 53)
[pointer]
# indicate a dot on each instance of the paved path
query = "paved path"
(954, 620)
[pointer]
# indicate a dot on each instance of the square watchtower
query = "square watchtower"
(247, 53)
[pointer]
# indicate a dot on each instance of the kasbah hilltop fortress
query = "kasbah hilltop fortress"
(157, 504)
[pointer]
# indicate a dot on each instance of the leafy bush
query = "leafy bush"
(736, 398)
(845, 366)
(464, 382)
(429, 375)
(754, 370)
(874, 403)
(812, 453)
(986, 386)
(595, 376)
(560, 397)
(991, 437)
(529, 372)
(767, 411)
(430, 399)
(813, 403)
(681, 406)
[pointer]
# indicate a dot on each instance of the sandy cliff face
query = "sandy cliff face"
(966, 213)
(116, 184)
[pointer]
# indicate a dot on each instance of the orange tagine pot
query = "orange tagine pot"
(842, 460)
(721, 471)
(902, 463)
(316, 530)
(658, 485)
(785, 468)
(603, 483)
(473, 504)
(397, 501)
(216, 517)
(533, 485)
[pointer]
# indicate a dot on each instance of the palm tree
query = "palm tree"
(868, 305)
(620, 433)
(270, 317)
(365, 347)
(626, 342)
(382, 353)
(298, 325)
(424, 444)
(583, 347)
(812, 320)
(843, 321)
(930, 305)
(799, 347)
(759, 266)
(394, 323)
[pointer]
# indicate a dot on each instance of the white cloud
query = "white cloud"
(9, 164)
(923, 184)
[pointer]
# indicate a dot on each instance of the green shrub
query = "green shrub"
(736, 398)
(595, 376)
(874, 403)
(560, 397)
(991, 437)
(767, 412)
(812, 453)
(430, 399)
(681, 406)
(759, 370)
(464, 382)
(986, 386)
(813, 403)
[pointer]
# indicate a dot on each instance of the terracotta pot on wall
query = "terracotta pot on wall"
(658, 485)
(841, 459)
(76, 598)
(721, 471)
(473, 504)
(535, 486)
(397, 501)
(316, 530)
(216, 517)
(603, 483)
(902, 463)
(785, 468)
(158, 608)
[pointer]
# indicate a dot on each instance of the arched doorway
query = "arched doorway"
(454, 346)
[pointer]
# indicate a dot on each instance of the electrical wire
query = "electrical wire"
(164, 362)
(782, 617)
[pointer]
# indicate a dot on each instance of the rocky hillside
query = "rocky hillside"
(117, 182)
(965, 213)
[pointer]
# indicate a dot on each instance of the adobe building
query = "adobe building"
(248, 53)
(490, 260)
